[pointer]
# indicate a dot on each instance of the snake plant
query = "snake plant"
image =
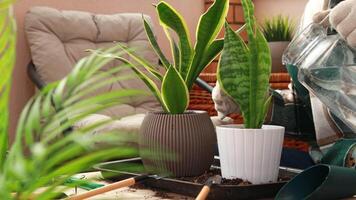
(189, 61)
(244, 69)
(41, 157)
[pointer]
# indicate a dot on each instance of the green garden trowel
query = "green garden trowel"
(321, 182)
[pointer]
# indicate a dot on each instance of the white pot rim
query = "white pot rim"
(241, 126)
(278, 42)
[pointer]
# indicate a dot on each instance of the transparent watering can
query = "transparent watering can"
(327, 68)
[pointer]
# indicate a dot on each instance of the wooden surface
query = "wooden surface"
(127, 193)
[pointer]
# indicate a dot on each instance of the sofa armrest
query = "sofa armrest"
(34, 76)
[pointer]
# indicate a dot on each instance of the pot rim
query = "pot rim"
(241, 126)
(279, 42)
(187, 112)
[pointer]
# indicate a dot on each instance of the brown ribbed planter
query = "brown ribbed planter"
(182, 145)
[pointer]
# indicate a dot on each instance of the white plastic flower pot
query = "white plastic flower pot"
(250, 154)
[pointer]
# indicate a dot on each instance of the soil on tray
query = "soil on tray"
(204, 177)
(239, 182)
(158, 193)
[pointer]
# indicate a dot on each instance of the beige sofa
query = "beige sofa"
(58, 39)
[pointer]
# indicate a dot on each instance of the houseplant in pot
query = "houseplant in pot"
(250, 151)
(176, 140)
(278, 31)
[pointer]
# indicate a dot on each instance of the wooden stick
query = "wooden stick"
(203, 193)
(108, 188)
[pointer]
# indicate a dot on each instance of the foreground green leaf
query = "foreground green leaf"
(175, 93)
(210, 24)
(244, 70)
(149, 67)
(154, 44)
(234, 69)
(260, 71)
(52, 156)
(147, 80)
(176, 53)
(7, 62)
(170, 18)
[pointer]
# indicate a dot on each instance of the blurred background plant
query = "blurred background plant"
(42, 156)
(278, 31)
(278, 28)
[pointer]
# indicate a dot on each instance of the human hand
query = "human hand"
(224, 105)
(343, 20)
(322, 17)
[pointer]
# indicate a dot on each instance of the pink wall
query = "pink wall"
(23, 89)
(269, 8)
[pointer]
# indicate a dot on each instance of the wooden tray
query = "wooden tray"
(122, 169)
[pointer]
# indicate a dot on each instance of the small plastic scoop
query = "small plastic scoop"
(206, 189)
(320, 182)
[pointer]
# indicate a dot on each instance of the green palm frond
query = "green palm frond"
(7, 61)
(41, 155)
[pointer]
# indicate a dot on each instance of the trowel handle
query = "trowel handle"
(203, 193)
(108, 188)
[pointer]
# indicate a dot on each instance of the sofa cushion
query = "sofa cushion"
(58, 40)
(130, 124)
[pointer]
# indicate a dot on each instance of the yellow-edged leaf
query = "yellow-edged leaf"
(175, 93)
